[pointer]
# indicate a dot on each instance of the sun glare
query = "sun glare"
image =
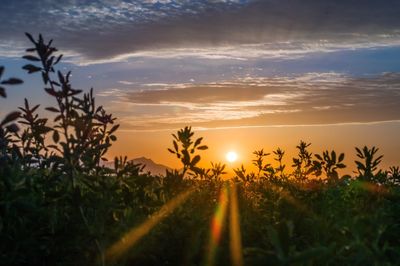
(231, 156)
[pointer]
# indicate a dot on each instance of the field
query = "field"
(60, 206)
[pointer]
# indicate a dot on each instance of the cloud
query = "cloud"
(113, 30)
(313, 98)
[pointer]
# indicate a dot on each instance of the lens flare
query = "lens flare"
(217, 224)
(133, 236)
(234, 226)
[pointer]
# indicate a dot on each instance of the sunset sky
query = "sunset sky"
(244, 74)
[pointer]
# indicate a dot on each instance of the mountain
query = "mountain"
(150, 166)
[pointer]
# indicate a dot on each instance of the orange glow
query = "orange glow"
(342, 138)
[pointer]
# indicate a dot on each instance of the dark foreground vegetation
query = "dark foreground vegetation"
(60, 206)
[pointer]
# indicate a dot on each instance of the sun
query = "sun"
(231, 156)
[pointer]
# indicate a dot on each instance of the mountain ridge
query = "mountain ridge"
(149, 165)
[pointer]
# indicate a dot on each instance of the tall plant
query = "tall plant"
(82, 132)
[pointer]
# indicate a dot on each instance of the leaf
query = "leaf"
(13, 128)
(58, 59)
(204, 147)
(171, 151)
(49, 63)
(34, 108)
(197, 170)
(318, 157)
(31, 58)
(51, 91)
(341, 165)
(198, 141)
(74, 92)
(55, 83)
(195, 160)
(360, 165)
(30, 37)
(10, 117)
(3, 92)
(12, 81)
(359, 153)
(56, 136)
(113, 137)
(333, 156)
(341, 157)
(45, 78)
(186, 157)
(31, 68)
(61, 77)
(113, 129)
(52, 109)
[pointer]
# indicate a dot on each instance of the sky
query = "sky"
(245, 74)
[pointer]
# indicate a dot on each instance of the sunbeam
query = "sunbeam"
(133, 236)
(234, 226)
(217, 224)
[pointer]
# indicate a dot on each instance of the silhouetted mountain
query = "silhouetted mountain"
(150, 166)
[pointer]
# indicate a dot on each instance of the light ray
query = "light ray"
(134, 235)
(234, 226)
(217, 224)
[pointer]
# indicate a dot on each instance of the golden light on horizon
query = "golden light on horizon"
(231, 156)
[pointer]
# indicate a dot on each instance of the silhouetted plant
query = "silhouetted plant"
(185, 148)
(123, 167)
(82, 134)
(303, 163)
(216, 171)
(9, 81)
(83, 126)
(261, 166)
(7, 125)
(32, 139)
(279, 153)
(394, 174)
(243, 176)
(329, 163)
(369, 163)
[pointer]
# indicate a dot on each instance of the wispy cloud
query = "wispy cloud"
(314, 98)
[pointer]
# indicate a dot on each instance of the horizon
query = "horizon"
(245, 75)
